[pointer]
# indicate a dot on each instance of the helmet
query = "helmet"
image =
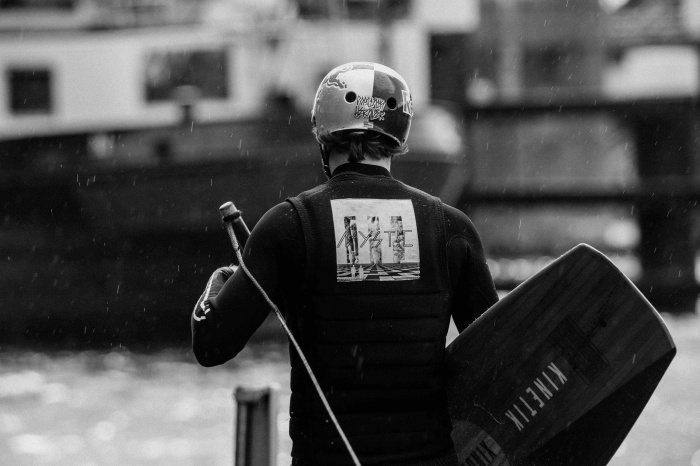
(363, 96)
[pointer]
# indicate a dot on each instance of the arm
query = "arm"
(472, 285)
(233, 308)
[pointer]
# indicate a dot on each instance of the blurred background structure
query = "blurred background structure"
(124, 124)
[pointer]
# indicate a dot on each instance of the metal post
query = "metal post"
(255, 442)
(664, 143)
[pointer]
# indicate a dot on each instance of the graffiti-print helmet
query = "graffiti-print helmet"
(363, 96)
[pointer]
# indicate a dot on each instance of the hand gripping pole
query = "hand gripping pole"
(235, 226)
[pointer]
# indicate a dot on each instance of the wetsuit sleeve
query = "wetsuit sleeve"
(470, 278)
(238, 309)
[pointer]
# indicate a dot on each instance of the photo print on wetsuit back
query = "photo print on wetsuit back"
(376, 240)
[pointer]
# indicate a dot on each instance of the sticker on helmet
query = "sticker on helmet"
(376, 240)
(333, 78)
(407, 102)
(370, 108)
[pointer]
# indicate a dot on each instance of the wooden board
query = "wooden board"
(558, 371)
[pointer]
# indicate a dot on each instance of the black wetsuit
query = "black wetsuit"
(368, 272)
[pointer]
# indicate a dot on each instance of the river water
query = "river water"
(125, 408)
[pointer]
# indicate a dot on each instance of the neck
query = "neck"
(336, 160)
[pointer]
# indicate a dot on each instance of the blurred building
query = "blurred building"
(124, 123)
(584, 118)
(99, 64)
(95, 65)
(77, 65)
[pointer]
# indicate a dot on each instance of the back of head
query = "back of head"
(362, 109)
(360, 145)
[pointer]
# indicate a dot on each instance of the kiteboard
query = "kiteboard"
(558, 371)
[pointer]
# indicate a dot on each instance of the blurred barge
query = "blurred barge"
(109, 238)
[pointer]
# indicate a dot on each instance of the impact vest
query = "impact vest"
(372, 319)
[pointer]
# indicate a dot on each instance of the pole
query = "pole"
(236, 228)
(256, 442)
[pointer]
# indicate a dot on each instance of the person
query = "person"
(375, 340)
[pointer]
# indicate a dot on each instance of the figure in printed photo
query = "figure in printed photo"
(398, 242)
(375, 241)
(351, 248)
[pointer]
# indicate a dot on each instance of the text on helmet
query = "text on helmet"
(370, 108)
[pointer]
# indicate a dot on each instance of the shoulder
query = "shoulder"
(318, 189)
(278, 217)
(415, 191)
(281, 211)
(279, 225)
(277, 234)
(455, 215)
(457, 223)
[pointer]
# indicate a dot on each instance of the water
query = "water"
(118, 408)
(121, 408)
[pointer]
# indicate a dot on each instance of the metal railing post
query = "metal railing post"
(255, 428)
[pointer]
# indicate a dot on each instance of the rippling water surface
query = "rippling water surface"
(122, 408)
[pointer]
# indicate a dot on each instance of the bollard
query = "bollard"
(255, 427)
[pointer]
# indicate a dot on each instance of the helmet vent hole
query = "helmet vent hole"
(391, 103)
(350, 97)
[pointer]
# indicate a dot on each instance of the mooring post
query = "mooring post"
(665, 145)
(255, 426)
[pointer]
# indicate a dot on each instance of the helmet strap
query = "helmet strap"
(324, 159)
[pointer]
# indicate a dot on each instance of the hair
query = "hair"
(359, 145)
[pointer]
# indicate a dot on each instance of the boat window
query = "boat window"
(30, 90)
